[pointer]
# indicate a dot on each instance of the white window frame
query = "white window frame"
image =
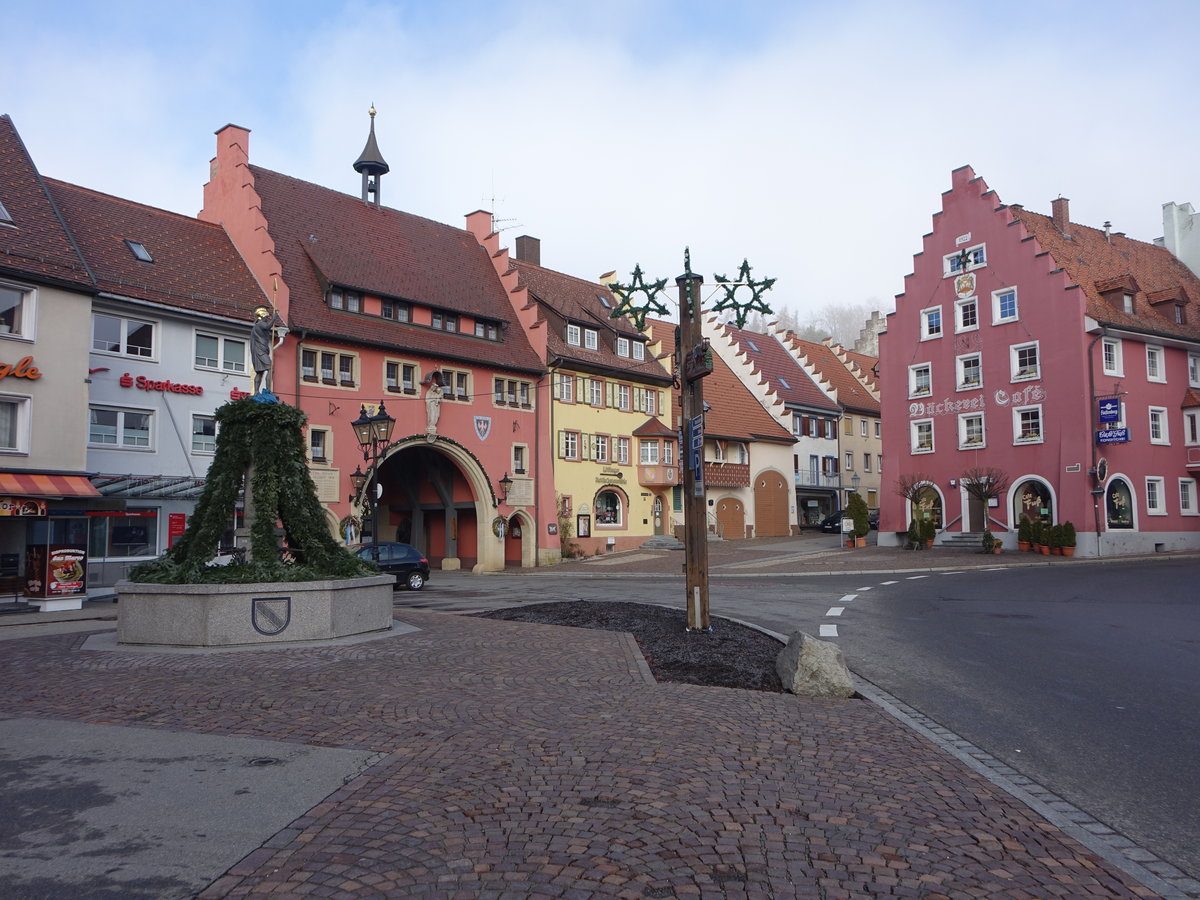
(573, 335)
(326, 444)
(623, 397)
(878, 429)
(1017, 429)
(1194, 369)
(963, 420)
(915, 428)
(977, 260)
(120, 442)
(622, 456)
(1158, 421)
(571, 445)
(28, 312)
(648, 452)
(862, 428)
(601, 451)
(1191, 428)
(204, 451)
(124, 341)
(1014, 352)
(566, 387)
(1114, 345)
(591, 339)
(520, 459)
(866, 462)
(1156, 364)
(1187, 497)
(21, 426)
(927, 332)
(848, 462)
(998, 317)
(960, 376)
(960, 307)
(913, 390)
(1156, 490)
(639, 351)
(650, 402)
(595, 392)
(623, 347)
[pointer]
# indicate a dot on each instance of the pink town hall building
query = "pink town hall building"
(1065, 356)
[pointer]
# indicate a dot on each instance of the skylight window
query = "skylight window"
(783, 381)
(139, 251)
(752, 346)
(5, 218)
(604, 301)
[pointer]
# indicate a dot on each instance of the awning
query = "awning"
(36, 484)
(138, 487)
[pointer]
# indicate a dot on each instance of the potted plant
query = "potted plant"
(856, 509)
(989, 540)
(1036, 534)
(1024, 528)
(1049, 539)
(1068, 538)
(928, 532)
(914, 535)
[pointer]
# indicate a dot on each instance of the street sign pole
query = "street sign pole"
(695, 512)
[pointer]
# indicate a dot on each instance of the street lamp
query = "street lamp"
(506, 484)
(373, 433)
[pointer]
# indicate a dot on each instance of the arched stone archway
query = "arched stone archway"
(520, 541)
(437, 497)
(927, 505)
(1033, 497)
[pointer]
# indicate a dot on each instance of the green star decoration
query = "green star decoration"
(741, 311)
(626, 293)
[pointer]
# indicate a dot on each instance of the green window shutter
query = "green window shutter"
(662, 409)
(639, 399)
(610, 393)
(562, 444)
(585, 446)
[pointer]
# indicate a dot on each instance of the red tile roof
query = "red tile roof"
(323, 236)
(36, 243)
(850, 391)
(734, 412)
(782, 373)
(867, 366)
(578, 301)
(195, 267)
(1097, 262)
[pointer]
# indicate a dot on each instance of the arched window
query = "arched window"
(609, 510)
(1032, 498)
(927, 506)
(1118, 504)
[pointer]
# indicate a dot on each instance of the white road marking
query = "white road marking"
(862, 589)
(847, 598)
(836, 610)
(882, 583)
(828, 631)
(915, 577)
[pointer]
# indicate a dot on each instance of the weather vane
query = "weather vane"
(741, 311)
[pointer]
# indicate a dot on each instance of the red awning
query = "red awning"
(37, 484)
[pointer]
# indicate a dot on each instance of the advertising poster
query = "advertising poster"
(68, 571)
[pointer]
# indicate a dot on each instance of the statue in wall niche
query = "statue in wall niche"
(262, 346)
(433, 405)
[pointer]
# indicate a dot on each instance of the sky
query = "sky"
(813, 139)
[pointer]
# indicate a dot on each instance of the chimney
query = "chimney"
(1061, 213)
(529, 249)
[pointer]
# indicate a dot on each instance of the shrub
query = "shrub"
(1068, 534)
(856, 509)
(1037, 530)
(914, 533)
(1053, 537)
(1024, 529)
(928, 530)
(989, 540)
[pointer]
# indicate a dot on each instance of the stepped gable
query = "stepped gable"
(863, 366)
(734, 412)
(195, 265)
(775, 365)
(1097, 261)
(322, 236)
(35, 241)
(579, 301)
(851, 392)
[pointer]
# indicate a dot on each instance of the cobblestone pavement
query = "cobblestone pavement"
(534, 761)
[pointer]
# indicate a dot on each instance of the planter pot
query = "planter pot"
(1023, 546)
(928, 545)
(860, 542)
(1035, 548)
(1045, 550)
(1068, 551)
(997, 549)
(1056, 551)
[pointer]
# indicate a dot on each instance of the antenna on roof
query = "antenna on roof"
(496, 226)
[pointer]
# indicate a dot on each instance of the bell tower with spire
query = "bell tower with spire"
(372, 166)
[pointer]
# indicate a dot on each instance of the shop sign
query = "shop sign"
(67, 569)
(169, 387)
(236, 394)
(1113, 436)
(22, 506)
(176, 526)
(23, 369)
(1110, 410)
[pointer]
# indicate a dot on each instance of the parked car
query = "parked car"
(404, 561)
(832, 523)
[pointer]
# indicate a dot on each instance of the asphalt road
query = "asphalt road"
(1083, 679)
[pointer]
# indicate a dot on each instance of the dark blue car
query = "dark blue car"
(404, 561)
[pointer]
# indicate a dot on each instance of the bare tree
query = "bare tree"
(984, 482)
(911, 485)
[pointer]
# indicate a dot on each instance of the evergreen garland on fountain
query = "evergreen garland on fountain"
(269, 436)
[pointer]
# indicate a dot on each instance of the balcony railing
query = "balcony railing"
(810, 479)
(725, 474)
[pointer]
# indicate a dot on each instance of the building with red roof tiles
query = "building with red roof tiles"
(747, 454)
(1064, 356)
(381, 307)
(615, 459)
(797, 403)
(860, 441)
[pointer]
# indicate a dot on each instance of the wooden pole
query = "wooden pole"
(695, 511)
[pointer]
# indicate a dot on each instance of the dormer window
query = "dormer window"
(1180, 315)
(139, 251)
(573, 337)
(350, 301)
(487, 330)
(639, 350)
(1127, 304)
(591, 339)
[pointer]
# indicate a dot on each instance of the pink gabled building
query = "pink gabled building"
(381, 305)
(1066, 356)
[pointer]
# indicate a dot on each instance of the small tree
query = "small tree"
(1068, 534)
(856, 508)
(928, 530)
(914, 534)
(1024, 530)
(1052, 536)
(989, 541)
(985, 483)
(1037, 530)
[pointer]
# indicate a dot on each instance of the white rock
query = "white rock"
(812, 668)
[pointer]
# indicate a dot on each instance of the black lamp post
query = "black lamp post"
(373, 433)
(506, 484)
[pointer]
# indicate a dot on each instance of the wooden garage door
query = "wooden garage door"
(771, 505)
(731, 518)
